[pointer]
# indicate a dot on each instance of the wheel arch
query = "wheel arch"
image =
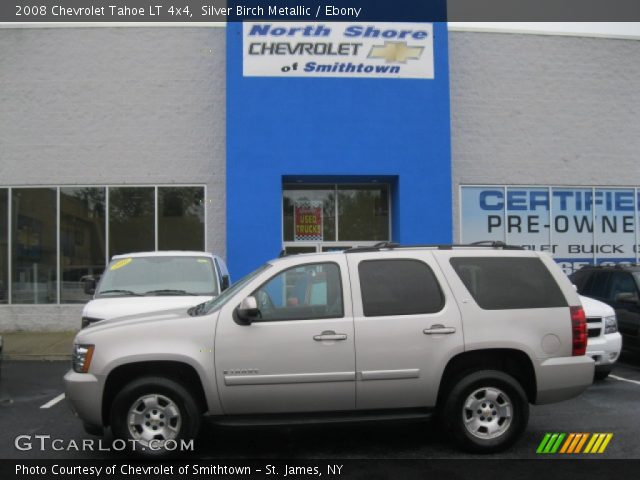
(180, 372)
(511, 361)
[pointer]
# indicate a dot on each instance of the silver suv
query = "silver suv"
(473, 333)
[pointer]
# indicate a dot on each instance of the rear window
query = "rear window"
(509, 283)
(398, 287)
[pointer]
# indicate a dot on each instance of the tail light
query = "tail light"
(578, 331)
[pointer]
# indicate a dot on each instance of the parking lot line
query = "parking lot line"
(53, 401)
(624, 379)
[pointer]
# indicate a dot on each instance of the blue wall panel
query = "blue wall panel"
(288, 127)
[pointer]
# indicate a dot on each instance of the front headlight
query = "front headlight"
(81, 359)
(610, 324)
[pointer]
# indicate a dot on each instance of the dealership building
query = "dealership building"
(246, 140)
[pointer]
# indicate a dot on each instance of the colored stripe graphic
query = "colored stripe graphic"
(598, 443)
(573, 443)
(567, 443)
(550, 443)
(581, 443)
(543, 443)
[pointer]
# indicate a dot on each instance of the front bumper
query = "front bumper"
(605, 349)
(563, 378)
(84, 393)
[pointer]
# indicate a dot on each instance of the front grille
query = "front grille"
(594, 325)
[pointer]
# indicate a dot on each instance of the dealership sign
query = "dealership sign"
(307, 221)
(380, 50)
(578, 226)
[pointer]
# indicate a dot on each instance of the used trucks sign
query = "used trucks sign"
(380, 50)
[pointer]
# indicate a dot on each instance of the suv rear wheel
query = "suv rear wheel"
(485, 411)
(152, 411)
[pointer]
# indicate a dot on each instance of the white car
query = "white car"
(604, 341)
(152, 281)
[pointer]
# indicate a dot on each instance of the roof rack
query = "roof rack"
(392, 246)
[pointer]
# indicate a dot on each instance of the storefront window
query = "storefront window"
(33, 254)
(181, 218)
(40, 245)
(131, 219)
(578, 226)
(4, 244)
(82, 240)
(363, 213)
(309, 216)
(300, 203)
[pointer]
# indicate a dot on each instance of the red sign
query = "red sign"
(307, 223)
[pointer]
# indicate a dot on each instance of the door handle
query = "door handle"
(329, 335)
(439, 330)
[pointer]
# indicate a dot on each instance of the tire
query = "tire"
(492, 425)
(601, 374)
(173, 414)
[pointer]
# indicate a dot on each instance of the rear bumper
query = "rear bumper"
(84, 393)
(563, 378)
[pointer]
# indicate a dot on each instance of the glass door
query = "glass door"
(322, 218)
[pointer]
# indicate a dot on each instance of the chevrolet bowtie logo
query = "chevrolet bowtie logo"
(395, 52)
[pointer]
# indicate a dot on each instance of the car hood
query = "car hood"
(109, 308)
(158, 319)
(596, 308)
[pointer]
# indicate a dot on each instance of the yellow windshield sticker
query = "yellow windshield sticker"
(203, 260)
(121, 263)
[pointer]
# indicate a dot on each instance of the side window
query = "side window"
(302, 293)
(597, 285)
(398, 287)
(502, 283)
(621, 283)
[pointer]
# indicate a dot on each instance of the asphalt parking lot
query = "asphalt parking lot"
(31, 404)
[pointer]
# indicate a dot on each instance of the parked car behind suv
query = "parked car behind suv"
(474, 334)
(604, 341)
(616, 286)
(152, 281)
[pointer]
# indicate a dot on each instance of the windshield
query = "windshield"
(158, 276)
(220, 300)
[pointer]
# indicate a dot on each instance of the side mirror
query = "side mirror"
(248, 311)
(89, 286)
(224, 283)
(627, 298)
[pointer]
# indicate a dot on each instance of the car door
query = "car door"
(407, 327)
(299, 357)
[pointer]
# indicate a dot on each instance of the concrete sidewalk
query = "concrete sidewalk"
(37, 345)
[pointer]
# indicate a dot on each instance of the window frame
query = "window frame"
(342, 294)
(443, 298)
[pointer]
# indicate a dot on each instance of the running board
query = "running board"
(354, 416)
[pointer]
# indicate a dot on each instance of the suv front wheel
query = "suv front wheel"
(151, 411)
(485, 411)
